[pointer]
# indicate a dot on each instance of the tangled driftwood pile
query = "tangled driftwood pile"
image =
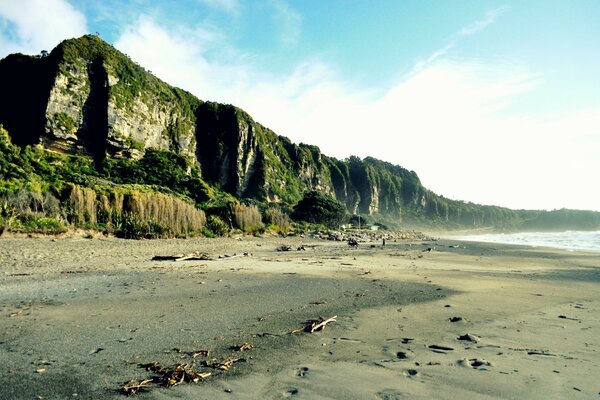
(187, 373)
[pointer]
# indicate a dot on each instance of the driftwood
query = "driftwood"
(227, 257)
(181, 374)
(224, 365)
(197, 256)
(243, 347)
(177, 375)
(133, 387)
(316, 325)
(203, 352)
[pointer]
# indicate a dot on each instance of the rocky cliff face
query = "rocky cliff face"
(86, 97)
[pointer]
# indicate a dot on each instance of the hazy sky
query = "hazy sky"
(494, 102)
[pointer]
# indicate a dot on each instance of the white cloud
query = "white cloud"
(442, 121)
(230, 6)
(289, 20)
(477, 26)
(463, 32)
(30, 26)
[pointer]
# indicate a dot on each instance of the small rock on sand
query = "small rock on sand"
(469, 338)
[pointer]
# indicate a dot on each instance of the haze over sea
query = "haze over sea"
(570, 240)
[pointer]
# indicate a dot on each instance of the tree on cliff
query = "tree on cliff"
(319, 208)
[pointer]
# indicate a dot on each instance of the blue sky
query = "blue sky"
(495, 102)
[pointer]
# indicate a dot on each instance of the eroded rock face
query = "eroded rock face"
(228, 147)
(64, 113)
(98, 102)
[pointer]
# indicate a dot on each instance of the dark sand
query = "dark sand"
(79, 316)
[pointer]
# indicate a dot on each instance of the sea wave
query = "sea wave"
(570, 240)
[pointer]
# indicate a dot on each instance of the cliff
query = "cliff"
(87, 98)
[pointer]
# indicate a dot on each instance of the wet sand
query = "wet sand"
(78, 318)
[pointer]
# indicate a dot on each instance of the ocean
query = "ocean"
(570, 240)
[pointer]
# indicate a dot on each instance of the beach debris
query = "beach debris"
(469, 338)
(96, 351)
(315, 325)
(320, 325)
(352, 242)
(440, 349)
(234, 255)
(242, 347)
(404, 355)
(198, 256)
(474, 362)
(565, 317)
(345, 339)
(195, 256)
(202, 352)
(176, 375)
(224, 365)
(406, 340)
(165, 377)
(301, 248)
(284, 247)
(16, 313)
(540, 353)
(455, 319)
(40, 370)
(133, 387)
(182, 373)
(428, 250)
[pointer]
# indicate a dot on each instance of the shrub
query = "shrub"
(319, 208)
(216, 225)
(278, 219)
(246, 218)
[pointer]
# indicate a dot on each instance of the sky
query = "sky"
(492, 102)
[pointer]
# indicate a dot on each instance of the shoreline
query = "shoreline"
(118, 309)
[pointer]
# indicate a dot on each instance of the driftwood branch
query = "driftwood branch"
(317, 325)
(182, 257)
(132, 387)
(197, 256)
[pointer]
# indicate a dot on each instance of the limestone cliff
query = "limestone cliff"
(86, 97)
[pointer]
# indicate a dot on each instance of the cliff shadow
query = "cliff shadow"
(93, 133)
(26, 82)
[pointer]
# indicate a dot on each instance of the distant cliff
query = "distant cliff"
(87, 98)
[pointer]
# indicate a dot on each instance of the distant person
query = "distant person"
(383, 240)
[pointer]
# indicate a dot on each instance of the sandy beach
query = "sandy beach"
(415, 319)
